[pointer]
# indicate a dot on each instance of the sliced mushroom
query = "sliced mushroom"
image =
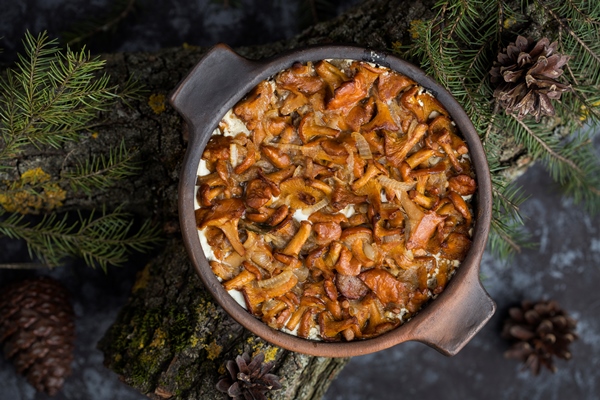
(349, 93)
(309, 129)
(385, 286)
(294, 245)
(373, 169)
(420, 235)
(391, 84)
(255, 105)
(383, 119)
(361, 114)
(331, 74)
(351, 287)
(462, 184)
(456, 246)
(345, 264)
(301, 78)
(445, 141)
(342, 197)
(330, 328)
(258, 193)
(298, 195)
(326, 232)
(292, 102)
(225, 215)
(396, 149)
(276, 156)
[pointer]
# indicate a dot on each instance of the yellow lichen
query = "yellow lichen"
(584, 111)
(32, 193)
(414, 28)
(508, 22)
(35, 175)
(118, 357)
(270, 354)
(94, 135)
(157, 103)
(187, 46)
(397, 46)
(141, 279)
(213, 350)
(222, 369)
(159, 338)
(194, 341)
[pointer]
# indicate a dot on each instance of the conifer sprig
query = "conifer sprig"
(458, 48)
(49, 99)
(102, 171)
(100, 240)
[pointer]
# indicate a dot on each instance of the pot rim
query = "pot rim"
(424, 326)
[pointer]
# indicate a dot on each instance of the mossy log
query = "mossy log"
(171, 340)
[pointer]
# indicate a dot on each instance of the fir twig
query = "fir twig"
(103, 240)
(50, 97)
(102, 172)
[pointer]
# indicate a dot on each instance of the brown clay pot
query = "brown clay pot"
(219, 80)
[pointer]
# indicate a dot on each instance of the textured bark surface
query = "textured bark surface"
(171, 340)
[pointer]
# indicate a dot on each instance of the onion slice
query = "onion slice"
(363, 146)
(395, 185)
(315, 207)
(277, 280)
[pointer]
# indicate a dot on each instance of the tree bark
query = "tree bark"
(171, 340)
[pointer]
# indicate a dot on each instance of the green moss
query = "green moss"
(180, 328)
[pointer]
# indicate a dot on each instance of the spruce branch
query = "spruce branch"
(102, 171)
(100, 240)
(50, 96)
(48, 99)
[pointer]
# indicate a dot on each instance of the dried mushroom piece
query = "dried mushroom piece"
(336, 198)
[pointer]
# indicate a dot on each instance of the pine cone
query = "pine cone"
(539, 331)
(526, 76)
(248, 379)
(37, 329)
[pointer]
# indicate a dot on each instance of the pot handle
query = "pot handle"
(466, 309)
(209, 86)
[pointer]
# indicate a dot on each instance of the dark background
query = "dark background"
(564, 265)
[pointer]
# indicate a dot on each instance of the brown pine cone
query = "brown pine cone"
(527, 77)
(38, 331)
(248, 379)
(539, 331)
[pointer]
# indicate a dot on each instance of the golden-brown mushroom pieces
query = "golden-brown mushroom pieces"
(361, 113)
(225, 215)
(390, 84)
(255, 105)
(330, 328)
(326, 232)
(349, 93)
(331, 74)
(462, 184)
(310, 128)
(300, 78)
(383, 119)
(385, 286)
